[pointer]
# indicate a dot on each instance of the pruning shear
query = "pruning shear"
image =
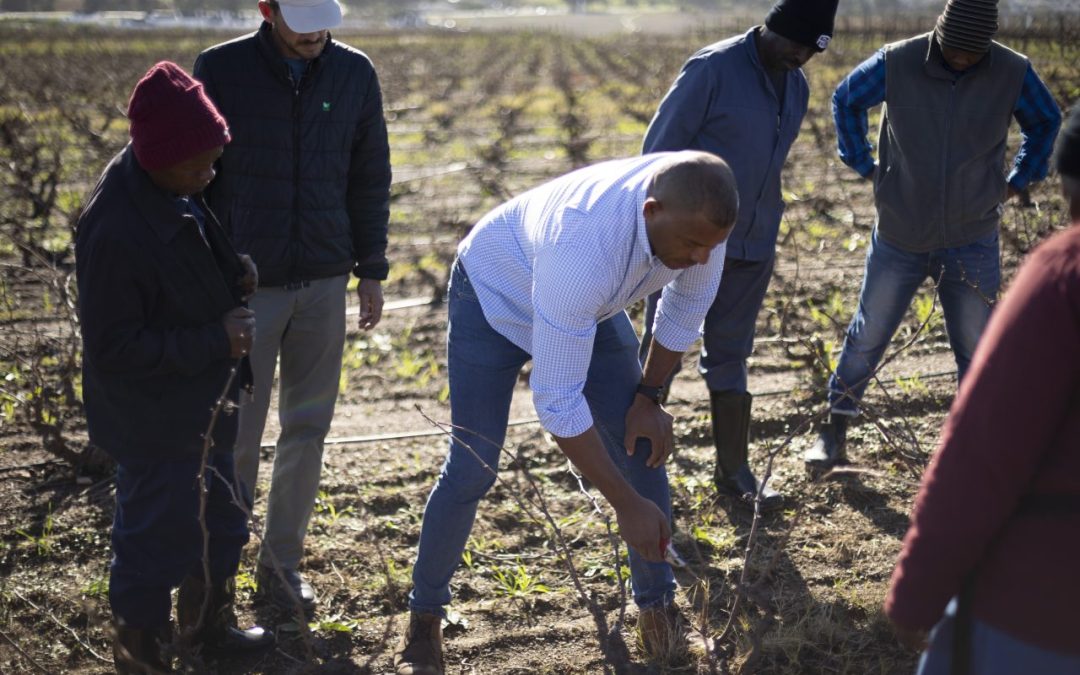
(671, 556)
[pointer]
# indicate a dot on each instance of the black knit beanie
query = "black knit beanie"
(1068, 150)
(968, 25)
(808, 22)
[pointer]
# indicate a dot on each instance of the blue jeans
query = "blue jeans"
(993, 652)
(967, 277)
(729, 326)
(483, 367)
(157, 540)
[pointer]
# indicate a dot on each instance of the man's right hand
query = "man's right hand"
(643, 526)
(240, 327)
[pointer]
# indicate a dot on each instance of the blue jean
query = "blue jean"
(967, 277)
(157, 539)
(729, 325)
(993, 652)
(483, 367)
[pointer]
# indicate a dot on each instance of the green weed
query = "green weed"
(326, 514)
(43, 541)
(98, 588)
(517, 582)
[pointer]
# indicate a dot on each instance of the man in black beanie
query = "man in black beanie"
(743, 99)
(939, 186)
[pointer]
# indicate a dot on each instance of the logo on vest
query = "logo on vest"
(326, 106)
(823, 41)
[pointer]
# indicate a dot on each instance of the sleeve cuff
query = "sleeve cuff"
(565, 424)
(1017, 182)
(673, 337)
(376, 272)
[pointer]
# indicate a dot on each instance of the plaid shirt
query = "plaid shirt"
(552, 263)
(1035, 111)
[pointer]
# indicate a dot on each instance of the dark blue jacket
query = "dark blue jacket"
(152, 293)
(304, 186)
(723, 103)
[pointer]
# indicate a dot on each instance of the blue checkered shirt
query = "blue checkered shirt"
(1035, 111)
(552, 263)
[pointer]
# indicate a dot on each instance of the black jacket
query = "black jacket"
(304, 186)
(151, 296)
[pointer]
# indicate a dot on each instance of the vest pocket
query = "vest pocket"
(982, 190)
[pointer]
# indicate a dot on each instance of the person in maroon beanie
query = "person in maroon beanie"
(993, 553)
(161, 305)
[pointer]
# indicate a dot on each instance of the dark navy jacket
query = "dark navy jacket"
(723, 103)
(152, 293)
(304, 186)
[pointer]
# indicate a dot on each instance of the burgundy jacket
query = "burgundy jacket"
(1014, 430)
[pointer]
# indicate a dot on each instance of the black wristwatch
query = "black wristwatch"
(654, 394)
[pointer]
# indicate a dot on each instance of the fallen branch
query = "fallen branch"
(24, 654)
(50, 616)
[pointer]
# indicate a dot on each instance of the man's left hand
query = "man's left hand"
(250, 281)
(647, 419)
(369, 292)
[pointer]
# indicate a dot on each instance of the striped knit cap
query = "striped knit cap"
(968, 25)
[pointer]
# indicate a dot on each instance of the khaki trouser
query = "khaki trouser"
(306, 328)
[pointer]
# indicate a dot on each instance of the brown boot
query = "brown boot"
(665, 635)
(137, 651)
(218, 632)
(420, 651)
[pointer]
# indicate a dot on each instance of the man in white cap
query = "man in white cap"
(305, 189)
(939, 183)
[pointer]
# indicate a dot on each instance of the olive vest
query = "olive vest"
(941, 174)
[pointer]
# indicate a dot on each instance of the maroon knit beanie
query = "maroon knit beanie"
(172, 119)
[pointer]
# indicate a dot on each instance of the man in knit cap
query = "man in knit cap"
(164, 326)
(939, 185)
(743, 99)
(997, 514)
(306, 191)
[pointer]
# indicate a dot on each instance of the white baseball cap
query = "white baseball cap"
(310, 16)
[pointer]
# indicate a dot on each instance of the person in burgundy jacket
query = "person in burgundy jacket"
(993, 553)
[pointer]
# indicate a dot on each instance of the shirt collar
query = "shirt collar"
(935, 66)
(157, 207)
(751, 48)
(642, 232)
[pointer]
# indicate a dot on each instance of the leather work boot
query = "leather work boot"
(828, 450)
(137, 651)
(285, 594)
(420, 651)
(219, 633)
(665, 635)
(731, 435)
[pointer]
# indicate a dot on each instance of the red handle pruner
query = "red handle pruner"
(671, 556)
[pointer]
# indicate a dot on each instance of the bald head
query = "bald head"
(699, 183)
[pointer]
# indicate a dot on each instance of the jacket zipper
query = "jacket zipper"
(772, 159)
(294, 239)
(945, 166)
